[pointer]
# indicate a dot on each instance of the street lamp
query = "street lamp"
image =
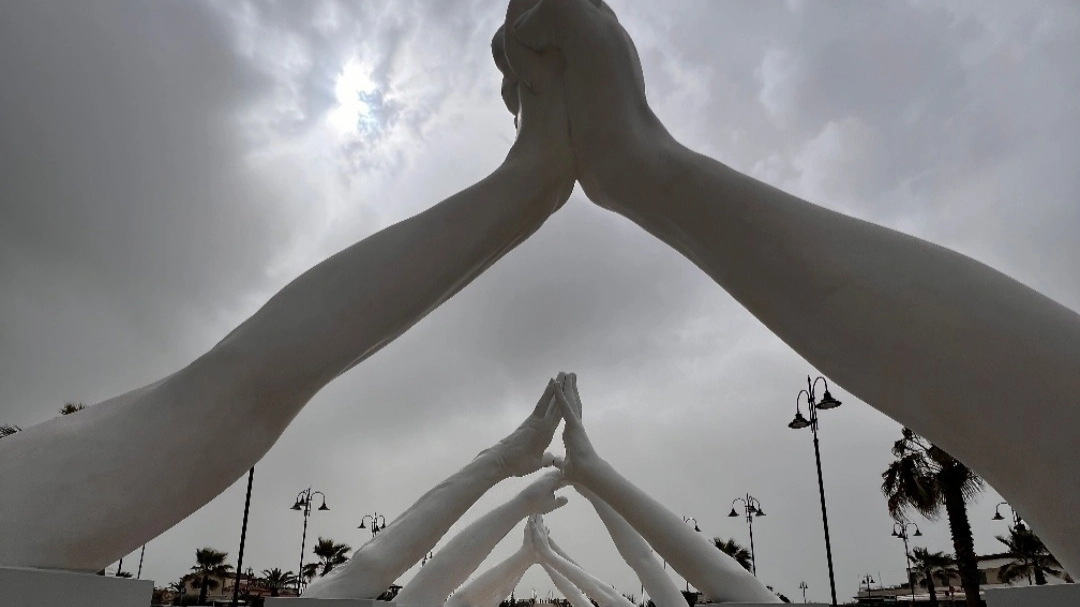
(1018, 524)
(687, 520)
(751, 508)
(303, 504)
(243, 539)
(427, 557)
(812, 407)
(900, 530)
(866, 579)
(378, 523)
(803, 587)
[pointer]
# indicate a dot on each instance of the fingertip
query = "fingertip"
(547, 460)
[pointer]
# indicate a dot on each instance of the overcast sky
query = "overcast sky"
(165, 167)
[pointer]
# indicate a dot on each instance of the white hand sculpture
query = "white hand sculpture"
(556, 564)
(637, 553)
(923, 334)
(494, 585)
(382, 560)
(712, 571)
(463, 554)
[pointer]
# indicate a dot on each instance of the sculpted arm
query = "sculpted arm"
(464, 553)
(256, 380)
(556, 565)
(407, 538)
(494, 585)
(572, 593)
(710, 570)
(637, 553)
(936, 340)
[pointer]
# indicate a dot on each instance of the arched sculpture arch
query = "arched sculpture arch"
(982, 365)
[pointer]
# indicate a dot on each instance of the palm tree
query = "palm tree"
(331, 554)
(736, 551)
(925, 478)
(178, 590)
(275, 579)
(1030, 557)
(926, 566)
(6, 430)
(209, 563)
(70, 408)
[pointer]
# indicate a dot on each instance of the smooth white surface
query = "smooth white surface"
(403, 542)
(256, 380)
(980, 364)
(570, 592)
(493, 586)
(38, 588)
(460, 557)
(714, 573)
(1060, 595)
(638, 554)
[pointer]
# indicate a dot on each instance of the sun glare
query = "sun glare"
(354, 90)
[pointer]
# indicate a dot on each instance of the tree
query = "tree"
(926, 479)
(927, 566)
(177, 589)
(209, 563)
(67, 409)
(736, 551)
(331, 554)
(70, 408)
(275, 580)
(1030, 557)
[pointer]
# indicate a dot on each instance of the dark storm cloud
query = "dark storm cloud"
(167, 167)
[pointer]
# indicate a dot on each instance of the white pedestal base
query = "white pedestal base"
(1060, 595)
(44, 588)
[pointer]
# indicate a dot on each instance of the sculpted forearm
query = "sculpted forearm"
(637, 553)
(495, 584)
(930, 337)
(363, 297)
(462, 555)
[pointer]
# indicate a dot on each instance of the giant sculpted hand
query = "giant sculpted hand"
(523, 451)
(577, 50)
(543, 128)
(581, 458)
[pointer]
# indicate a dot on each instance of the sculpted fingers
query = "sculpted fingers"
(508, 88)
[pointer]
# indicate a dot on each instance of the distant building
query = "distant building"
(946, 592)
(221, 593)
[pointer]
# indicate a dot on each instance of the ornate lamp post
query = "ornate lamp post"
(378, 523)
(812, 405)
(751, 508)
(1018, 524)
(427, 557)
(803, 587)
(866, 579)
(1017, 521)
(687, 520)
(303, 504)
(900, 530)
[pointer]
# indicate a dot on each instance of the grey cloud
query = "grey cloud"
(169, 169)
